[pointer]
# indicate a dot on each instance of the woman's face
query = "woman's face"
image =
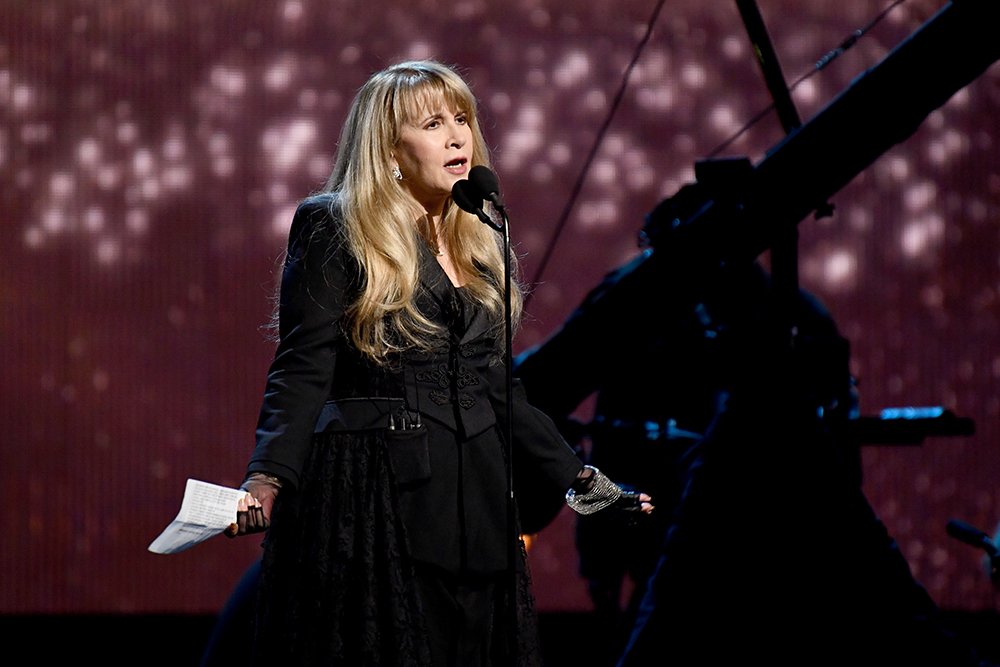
(434, 151)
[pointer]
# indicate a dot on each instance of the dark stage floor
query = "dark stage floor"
(178, 640)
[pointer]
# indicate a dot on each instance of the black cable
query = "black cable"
(821, 64)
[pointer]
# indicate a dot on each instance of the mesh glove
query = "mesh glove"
(593, 491)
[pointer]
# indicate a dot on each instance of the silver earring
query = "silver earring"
(397, 174)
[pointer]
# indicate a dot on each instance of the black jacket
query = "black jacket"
(451, 468)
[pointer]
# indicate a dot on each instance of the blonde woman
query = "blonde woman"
(380, 465)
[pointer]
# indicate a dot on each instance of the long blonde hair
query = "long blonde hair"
(380, 215)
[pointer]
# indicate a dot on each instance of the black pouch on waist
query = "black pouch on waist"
(409, 454)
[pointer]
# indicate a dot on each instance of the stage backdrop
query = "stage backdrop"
(152, 153)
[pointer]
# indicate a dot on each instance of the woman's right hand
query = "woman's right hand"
(253, 511)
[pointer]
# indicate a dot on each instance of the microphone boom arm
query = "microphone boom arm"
(881, 108)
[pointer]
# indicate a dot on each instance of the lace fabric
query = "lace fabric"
(336, 583)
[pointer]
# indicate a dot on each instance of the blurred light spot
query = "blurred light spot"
(108, 251)
(137, 221)
(950, 145)
(33, 237)
(596, 215)
(126, 133)
(541, 173)
(100, 380)
(62, 185)
(218, 143)
(560, 154)
(308, 99)
(286, 145)
(23, 97)
(292, 11)
(93, 219)
(898, 168)
(658, 98)
(640, 177)
(693, 75)
(539, 18)
(977, 209)
(150, 189)
(734, 47)
(319, 167)
(419, 50)
(142, 162)
(54, 221)
(571, 70)
(223, 167)
(614, 145)
(177, 178)
(938, 557)
(914, 239)
(859, 218)
(919, 196)
(350, 54)
(36, 133)
(277, 76)
(88, 151)
(807, 92)
(959, 100)
(108, 177)
(652, 70)
(839, 269)
(723, 119)
(932, 296)
(278, 193)
(604, 172)
(595, 100)
(174, 148)
(281, 221)
(500, 103)
(228, 80)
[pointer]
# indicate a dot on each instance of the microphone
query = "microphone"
(465, 195)
(469, 198)
(970, 535)
(486, 182)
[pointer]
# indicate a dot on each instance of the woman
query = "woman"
(380, 442)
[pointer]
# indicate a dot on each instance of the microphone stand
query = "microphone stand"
(470, 198)
(513, 539)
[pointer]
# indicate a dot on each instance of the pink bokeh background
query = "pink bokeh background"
(151, 155)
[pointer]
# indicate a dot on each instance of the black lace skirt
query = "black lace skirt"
(336, 583)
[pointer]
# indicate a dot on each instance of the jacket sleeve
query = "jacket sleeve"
(539, 450)
(314, 283)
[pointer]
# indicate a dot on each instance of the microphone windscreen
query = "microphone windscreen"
(465, 195)
(486, 182)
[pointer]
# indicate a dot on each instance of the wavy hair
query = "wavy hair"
(380, 216)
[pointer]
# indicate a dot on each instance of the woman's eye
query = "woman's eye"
(433, 124)
(461, 120)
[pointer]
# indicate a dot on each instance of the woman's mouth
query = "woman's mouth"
(457, 166)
